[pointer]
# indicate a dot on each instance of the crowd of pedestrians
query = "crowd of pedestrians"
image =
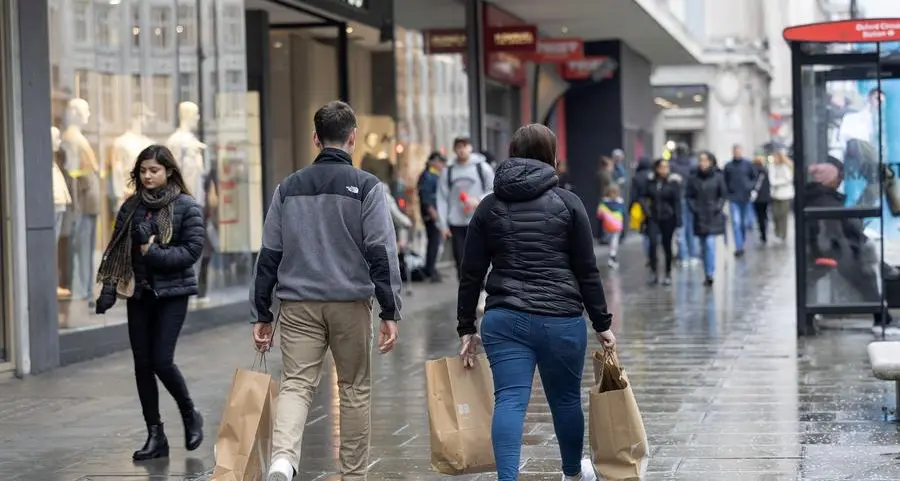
(523, 245)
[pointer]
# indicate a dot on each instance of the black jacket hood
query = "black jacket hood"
(644, 164)
(519, 180)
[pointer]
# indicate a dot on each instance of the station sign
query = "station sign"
(846, 31)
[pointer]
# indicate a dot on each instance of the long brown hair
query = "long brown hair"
(165, 158)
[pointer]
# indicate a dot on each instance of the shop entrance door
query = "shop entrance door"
(846, 163)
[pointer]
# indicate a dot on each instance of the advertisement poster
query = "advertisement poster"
(854, 138)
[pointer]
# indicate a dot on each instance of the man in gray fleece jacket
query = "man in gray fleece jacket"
(328, 246)
(461, 187)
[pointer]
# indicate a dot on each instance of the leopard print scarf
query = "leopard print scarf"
(115, 267)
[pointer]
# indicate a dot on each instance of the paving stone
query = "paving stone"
(726, 390)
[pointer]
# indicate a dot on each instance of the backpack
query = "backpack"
(478, 167)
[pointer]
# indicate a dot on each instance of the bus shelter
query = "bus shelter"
(846, 162)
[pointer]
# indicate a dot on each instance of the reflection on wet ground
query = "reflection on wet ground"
(726, 389)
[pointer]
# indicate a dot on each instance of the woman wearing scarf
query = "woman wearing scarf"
(157, 238)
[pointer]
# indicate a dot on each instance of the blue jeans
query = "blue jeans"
(708, 246)
(741, 221)
(687, 241)
(515, 343)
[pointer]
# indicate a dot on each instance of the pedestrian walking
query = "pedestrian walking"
(662, 204)
(537, 239)
(328, 246)
(611, 214)
(781, 178)
(761, 196)
(428, 206)
(639, 183)
(740, 179)
(684, 164)
(157, 239)
(462, 186)
(706, 196)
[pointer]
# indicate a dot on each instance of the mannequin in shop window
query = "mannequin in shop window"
(126, 148)
(84, 170)
(188, 152)
(62, 199)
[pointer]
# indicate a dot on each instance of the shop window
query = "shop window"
(187, 26)
(160, 18)
(110, 107)
(107, 25)
(162, 98)
(187, 87)
(81, 16)
(233, 20)
(136, 27)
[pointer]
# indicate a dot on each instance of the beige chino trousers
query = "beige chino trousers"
(308, 330)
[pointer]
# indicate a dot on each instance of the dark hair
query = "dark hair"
(658, 162)
(534, 141)
(334, 122)
(461, 140)
(436, 156)
(711, 156)
(164, 157)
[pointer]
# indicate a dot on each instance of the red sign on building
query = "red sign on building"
(557, 50)
(589, 67)
(847, 31)
(511, 39)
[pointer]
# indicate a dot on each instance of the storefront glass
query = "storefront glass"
(129, 73)
(432, 105)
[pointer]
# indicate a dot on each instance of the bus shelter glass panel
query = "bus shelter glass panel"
(846, 172)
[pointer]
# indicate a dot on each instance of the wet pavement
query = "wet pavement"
(726, 390)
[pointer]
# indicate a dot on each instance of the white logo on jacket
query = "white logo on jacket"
(353, 189)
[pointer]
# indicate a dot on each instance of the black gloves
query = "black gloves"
(107, 298)
(142, 232)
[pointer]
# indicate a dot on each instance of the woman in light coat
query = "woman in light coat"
(781, 178)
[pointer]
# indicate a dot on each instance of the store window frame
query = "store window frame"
(13, 253)
(813, 64)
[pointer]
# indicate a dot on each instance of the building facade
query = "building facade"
(85, 85)
(741, 93)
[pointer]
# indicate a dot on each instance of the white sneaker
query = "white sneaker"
(587, 472)
(281, 470)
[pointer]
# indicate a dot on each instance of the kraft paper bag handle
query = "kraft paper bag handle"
(606, 356)
(260, 359)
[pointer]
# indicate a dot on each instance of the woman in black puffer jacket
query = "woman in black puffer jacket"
(157, 238)
(661, 203)
(537, 239)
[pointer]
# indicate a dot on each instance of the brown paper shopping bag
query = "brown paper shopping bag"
(619, 448)
(460, 408)
(244, 443)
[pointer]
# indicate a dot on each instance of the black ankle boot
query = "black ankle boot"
(193, 429)
(157, 446)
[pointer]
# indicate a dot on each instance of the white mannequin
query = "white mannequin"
(82, 166)
(126, 148)
(61, 196)
(188, 150)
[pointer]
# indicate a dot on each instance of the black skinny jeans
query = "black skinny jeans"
(762, 218)
(458, 240)
(433, 233)
(153, 329)
(661, 232)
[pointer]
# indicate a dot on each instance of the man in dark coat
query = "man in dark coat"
(740, 178)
